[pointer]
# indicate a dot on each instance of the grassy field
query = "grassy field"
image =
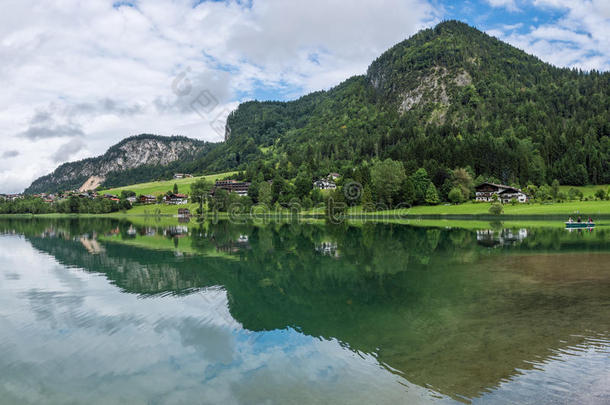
(587, 191)
(565, 208)
(573, 208)
(161, 187)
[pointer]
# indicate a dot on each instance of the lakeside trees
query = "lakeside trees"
(70, 205)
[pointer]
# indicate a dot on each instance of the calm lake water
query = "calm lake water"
(108, 312)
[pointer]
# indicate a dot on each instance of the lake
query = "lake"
(102, 311)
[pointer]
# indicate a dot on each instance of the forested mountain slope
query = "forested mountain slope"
(448, 97)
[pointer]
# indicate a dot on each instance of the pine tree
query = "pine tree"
(431, 195)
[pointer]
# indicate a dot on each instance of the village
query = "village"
(484, 192)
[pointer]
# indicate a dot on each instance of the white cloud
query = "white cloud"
(508, 4)
(580, 38)
(99, 73)
(68, 150)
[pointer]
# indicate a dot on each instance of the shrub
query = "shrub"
(574, 193)
(496, 208)
(455, 195)
(600, 194)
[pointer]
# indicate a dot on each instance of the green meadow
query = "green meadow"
(472, 208)
(161, 187)
(587, 191)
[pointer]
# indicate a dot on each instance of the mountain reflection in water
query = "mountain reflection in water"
(501, 315)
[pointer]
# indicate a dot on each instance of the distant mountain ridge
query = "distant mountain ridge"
(449, 96)
(141, 151)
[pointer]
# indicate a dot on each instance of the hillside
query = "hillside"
(450, 96)
(163, 186)
(134, 159)
(447, 97)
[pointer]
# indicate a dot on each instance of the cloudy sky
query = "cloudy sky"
(78, 76)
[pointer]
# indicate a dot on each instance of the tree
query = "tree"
(496, 208)
(574, 194)
(127, 194)
(386, 177)
(554, 189)
(254, 187)
(531, 190)
(420, 182)
(125, 204)
(455, 195)
(303, 183)
(407, 192)
(220, 201)
(278, 187)
(175, 189)
(316, 196)
(74, 204)
(600, 194)
(200, 190)
(431, 195)
(367, 199)
(307, 203)
(463, 180)
(265, 194)
(335, 206)
(544, 193)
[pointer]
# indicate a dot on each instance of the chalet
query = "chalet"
(176, 199)
(333, 176)
(324, 184)
(132, 199)
(148, 199)
(486, 191)
(232, 186)
(182, 175)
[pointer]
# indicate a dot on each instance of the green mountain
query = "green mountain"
(450, 96)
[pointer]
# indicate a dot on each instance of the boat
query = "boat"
(579, 225)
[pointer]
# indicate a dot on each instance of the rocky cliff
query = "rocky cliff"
(130, 153)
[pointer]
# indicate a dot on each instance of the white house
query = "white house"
(486, 191)
(325, 184)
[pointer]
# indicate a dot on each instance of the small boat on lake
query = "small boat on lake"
(580, 225)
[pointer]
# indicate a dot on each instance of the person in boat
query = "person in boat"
(579, 220)
(570, 220)
(590, 220)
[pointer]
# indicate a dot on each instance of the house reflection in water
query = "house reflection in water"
(91, 245)
(179, 231)
(503, 237)
(235, 246)
(328, 249)
(131, 231)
